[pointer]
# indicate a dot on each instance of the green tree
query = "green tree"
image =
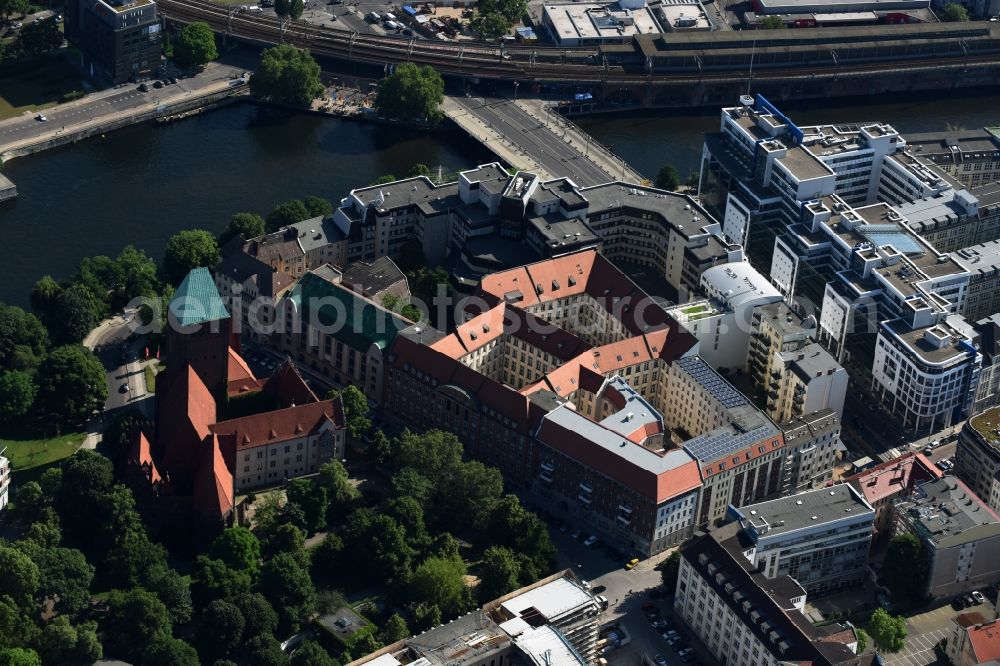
(952, 12)
(311, 497)
(44, 295)
(287, 74)
(862, 637)
(138, 273)
(119, 434)
(668, 178)
(17, 393)
(195, 46)
(287, 538)
(295, 9)
(411, 92)
(16, 627)
(39, 37)
(211, 579)
(169, 651)
(491, 26)
(264, 650)
(135, 619)
(341, 493)
(669, 569)
(12, 8)
(239, 549)
(77, 311)
(326, 559)
(888, 632)
(355, 410)
(410, 482)
(187, 250)
(64, 576)
(425, 616)
(317, 206)
(100, 274)
(408, 513)
(381, 543)
(28, 503)
(220, 628)
(384, 179)
(311, 653)
(772, 23)
(87, 478)
(290, 212)
(249, 225)
(441, 582)
(905, 571)
(16, 656)
(393, 630)
(418, 170)
(71, 384)
(258, 615)
(62, 643)
(171, 588)
(499, 573)
(286, 584)
(19, 576)
(282, 8)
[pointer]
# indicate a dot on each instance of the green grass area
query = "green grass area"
(29, 454)
(37, 87)
(150, 372)
(987, 422)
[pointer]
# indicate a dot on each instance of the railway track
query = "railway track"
(524, 63)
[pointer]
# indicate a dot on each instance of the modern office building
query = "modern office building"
(811, 443)
(748, 619)
(804, 381)
(960, 533)
(119, 40)
(884, 483)
(988, 340)
(955, 218)
(820, 538)
(982, 262)
(553, 622)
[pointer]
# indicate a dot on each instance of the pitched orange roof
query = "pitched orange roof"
(213, 484)
(186, 411)
(985, 641)
(280, 425)
(141, 454)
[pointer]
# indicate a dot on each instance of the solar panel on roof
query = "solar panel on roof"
(717, 444)
(710, 380)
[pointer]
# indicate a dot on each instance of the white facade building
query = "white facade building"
(4, 481)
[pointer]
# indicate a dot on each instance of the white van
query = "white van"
(388, 16)
(374, 17)
(392, 25)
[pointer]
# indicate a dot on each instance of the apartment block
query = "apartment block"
(820, 538)
(803, 381)
(747, 619)
(971, 156)
(955, 218)
(739, 450)
(554, 621)
(251, 291)
(982, 262)
(960, 533)
(884, 483)
(811, 443)
(988, 340)
(300, 247)
(974, 640)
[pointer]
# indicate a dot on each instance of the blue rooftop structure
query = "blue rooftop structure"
(197, 300)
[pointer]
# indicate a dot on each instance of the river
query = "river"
(143, 184)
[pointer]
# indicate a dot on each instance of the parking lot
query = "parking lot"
(927, 629)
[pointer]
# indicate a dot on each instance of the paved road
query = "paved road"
(924, 631)
(120, 99)
(534, 140)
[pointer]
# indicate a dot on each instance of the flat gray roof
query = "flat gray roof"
(808, 509)
(947, 513)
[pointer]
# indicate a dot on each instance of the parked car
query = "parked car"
(685, 652)
(678, 645)
(927, 451)
(969, 600)
(660, 660)
(631, 564)
(589, 541)
(575, 534)
(978, 597)
(660, 624)
(41, 118)
(689, 658)
(958, 603)
(16, 25)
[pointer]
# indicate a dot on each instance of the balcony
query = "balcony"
(545, 476)
(584, 499)
(548, 467)
(623, 521)
(625, 508)
(775, 374)
(772, 394)
(586, 487)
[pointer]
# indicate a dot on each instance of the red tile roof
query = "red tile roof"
(985, 641)
(894, 477)
(657, 487)
(186, 411)
(241, 377)
(141, 454)
(288, 387)
(280, 425)
(213, 484)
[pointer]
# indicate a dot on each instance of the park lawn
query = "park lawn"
(37, 88)
(26, 454)
(150, 372)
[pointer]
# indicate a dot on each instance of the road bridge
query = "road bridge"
(530, 137)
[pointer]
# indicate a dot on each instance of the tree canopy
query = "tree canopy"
(952, 12)
(71, 384)
(669, 569)
(135, 619)
(77, 311)
(411, 92)
(906, 569)
(249, 225)
(17, 393)
(287, 74)
(187, 250)
(668, 178)
(888, 631)
(287, 213)
(772, 23)
(195, 46)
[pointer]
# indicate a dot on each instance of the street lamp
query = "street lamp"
(516, 84)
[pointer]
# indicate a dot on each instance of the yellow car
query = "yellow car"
(631, 564)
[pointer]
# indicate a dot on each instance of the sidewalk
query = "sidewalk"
(492, 139)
